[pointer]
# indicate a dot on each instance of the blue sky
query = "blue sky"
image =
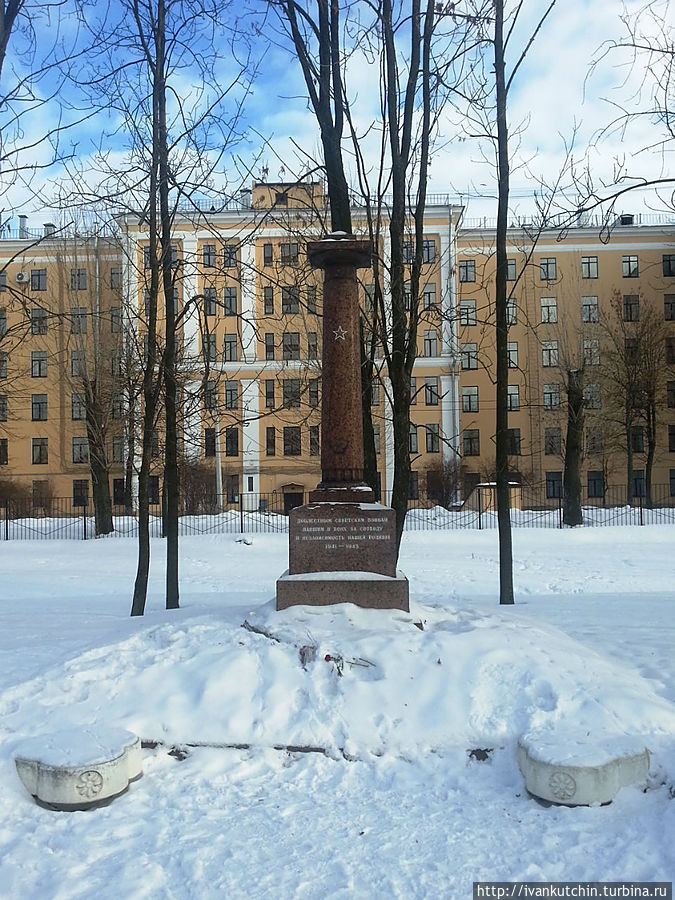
(555, 93)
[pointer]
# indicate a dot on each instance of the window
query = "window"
(153, 490)
(430, 342)
(510, 270)
(38, 364)
(80, 492)
(268, 300)
(467, 312)
(408, 252)
(313, 392)
(670, 394)
(269, 346)
(469, 356)
(290, 300)
(407, 297)
(433, 439)
(269, 393)
(38, 280)
(414, 486)
(40, 451)
(592, 352)
(470, 399)
(511, 311)
(431, 390)
(115, 278)
(671, 438)
(428, 250)
(512, 350)
(312, 345)
(210, 395)
(592, 398)
(429, 296)
(513, 441)
(118, 492)
(280, 198)
(291, 392)
(467, 270)
(412, 438)
(594, 439)
(232, 441)
(78, 363)
(589, 309)
(38, 321)
(292, 440)
(595, 485)
(3, 364)
(38, 406)
(118, 406)
(549, 310)
(589, 266)
(413, 390)
(154, 444)
(174, 256)
(118, 448)
(471, 442)
(209, 255)
(669, 307)
(289, 254)
(78, 279)
(115, 319)
(670, 350)
(668, 265)
(4, 452)
(230, 256)
(375, 393)
(3, 406)
(80, 450)
(210, 347)
(630, 349)
(547, 268)
(270, 441)
(549, 353)
(553, 485)
(78, 320)
(630, 267)
(672, 481)
(231, 395)
(638, 482)
(376, 439)
(146, 257)
(637, 439)
(267, 255)
(230, 301)
(514, 397)
(290, 345)
(3, 322)
(552, 441)
(3, 280)
(230, 349)
(314, 440)
(551, 396)
(210, 302)
(631, 307)
(311, 300)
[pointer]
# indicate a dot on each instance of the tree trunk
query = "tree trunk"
(501, 430)
(651, 451)
(369, 455)
(629, 460)
(101, 494)
(572, 512)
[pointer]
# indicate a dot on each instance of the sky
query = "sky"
(558, 101)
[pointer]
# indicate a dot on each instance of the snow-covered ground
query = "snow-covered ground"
(394, 806)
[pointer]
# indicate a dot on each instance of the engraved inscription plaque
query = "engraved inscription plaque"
(341, 537)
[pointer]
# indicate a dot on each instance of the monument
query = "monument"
(342, 545)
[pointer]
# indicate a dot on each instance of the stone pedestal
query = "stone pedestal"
(342, 546)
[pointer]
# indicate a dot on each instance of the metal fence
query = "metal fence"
(60, 518)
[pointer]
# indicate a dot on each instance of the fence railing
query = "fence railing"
(60, 518)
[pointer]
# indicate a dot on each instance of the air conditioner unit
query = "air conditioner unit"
(22, 277)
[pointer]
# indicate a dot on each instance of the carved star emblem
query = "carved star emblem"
(340, 334)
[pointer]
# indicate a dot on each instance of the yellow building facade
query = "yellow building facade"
(249, 332)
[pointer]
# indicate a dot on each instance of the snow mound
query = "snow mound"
(376, 682)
